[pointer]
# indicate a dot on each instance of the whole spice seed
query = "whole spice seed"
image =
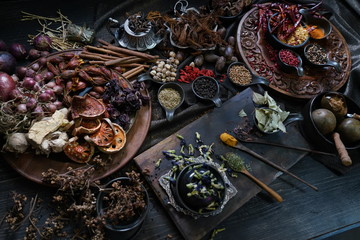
(316, 54)
(240, 75)
(205, 87)
(289, 58)
(169, 98)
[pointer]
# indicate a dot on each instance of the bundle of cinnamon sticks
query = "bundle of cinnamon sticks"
(133, 62)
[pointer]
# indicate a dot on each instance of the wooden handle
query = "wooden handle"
(251, 152)
(340, 147)
(269, 190)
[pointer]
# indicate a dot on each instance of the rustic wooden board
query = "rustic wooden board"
(210, 126)
(254, 49)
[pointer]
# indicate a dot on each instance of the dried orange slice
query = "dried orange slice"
(86, 126)
(86, 107)
(104, 136)
(119, 141)
(79, 150)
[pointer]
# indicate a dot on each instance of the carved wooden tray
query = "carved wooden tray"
(257, 53)
(32, 166)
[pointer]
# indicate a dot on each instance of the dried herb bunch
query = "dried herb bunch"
(124, 201)
(16, 215)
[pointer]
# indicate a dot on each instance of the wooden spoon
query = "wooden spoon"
(236, 163)
(269, 190)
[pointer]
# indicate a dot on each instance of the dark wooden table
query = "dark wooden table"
(304, 214)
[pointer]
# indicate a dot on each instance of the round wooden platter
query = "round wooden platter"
(258, 54)
(32, 166)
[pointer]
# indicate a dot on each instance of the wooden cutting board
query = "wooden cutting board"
(210, 126)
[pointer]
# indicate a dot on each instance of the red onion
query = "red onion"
(7, 62)
(16, 94)
(42, 61)
(51, 93)
(51, 107)
(22, 108)
(36, 87)
(58, 89)
(30, 72)
(31, 103)
(44, 97)
(18, 50)
(51, 84)
(42, 42)
(38, 78)
(7, 84)
(28, 83)
(21, 71)
(44, 53)
(35, 66)
(58, 104)
(34, 54)
(3, 46)
(48, 76)
(38, 111)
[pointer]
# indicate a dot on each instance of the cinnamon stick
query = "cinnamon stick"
(133, 72)
(119, 60)
(103, 42)
(104, 56)
(103, 50)
(133, 65)
(129, 52)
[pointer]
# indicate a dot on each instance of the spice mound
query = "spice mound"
(240, 75)
(169, 98)
(299, 36)
(316, 54)
(205, 87)
(316, 32)
(288, 57)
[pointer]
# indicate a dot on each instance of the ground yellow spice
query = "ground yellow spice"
(228, 139)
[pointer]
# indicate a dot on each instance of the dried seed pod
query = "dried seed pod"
(220, 63)
(199, 60)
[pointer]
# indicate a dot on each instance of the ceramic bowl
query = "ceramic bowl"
(290, 68)
(127, 230)
(195, 203)
(215, 99)
(171, 111)
(328, 63)
(311, 132)
(255, 79)
(320, 23)
(279, 43)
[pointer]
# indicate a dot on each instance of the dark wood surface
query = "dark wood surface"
(210, 126)
(304, 214)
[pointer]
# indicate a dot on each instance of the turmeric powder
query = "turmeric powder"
(228, 139)
(317, 33)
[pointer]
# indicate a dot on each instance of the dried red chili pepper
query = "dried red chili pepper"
(189, 74)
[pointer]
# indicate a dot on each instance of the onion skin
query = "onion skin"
(7, 85)
(7, 62)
